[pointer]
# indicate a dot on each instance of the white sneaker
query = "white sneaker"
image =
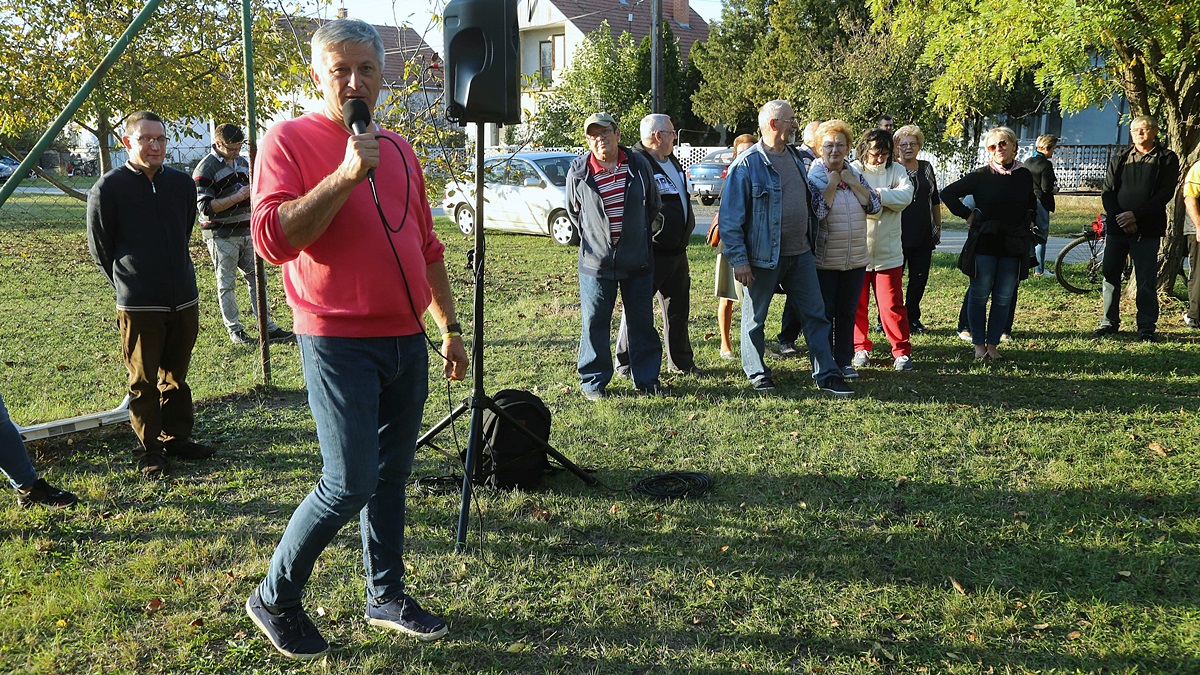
(1187, 320)
(964, 335)
(904, 363)
(862, 359)
(1005, 337)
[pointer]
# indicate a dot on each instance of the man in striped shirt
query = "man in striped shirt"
(612, 199)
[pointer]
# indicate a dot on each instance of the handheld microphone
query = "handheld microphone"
(357, 115)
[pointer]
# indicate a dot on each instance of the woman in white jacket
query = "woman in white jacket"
(885, 269)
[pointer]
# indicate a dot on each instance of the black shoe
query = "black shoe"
(278, 334)
(42, 492)
(763, 383)
(152, 465)
(1148, 337)
(290, 631)
(625, 372)
(834, 384)
(917, 327)
(1104, 330)
(788, 349)
(189, 450)
(239, 337)
(405, 615)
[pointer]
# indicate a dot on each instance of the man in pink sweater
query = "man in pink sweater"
(358, 285)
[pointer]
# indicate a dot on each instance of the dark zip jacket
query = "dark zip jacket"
(673, 237)
(1143, 187)
(597, 255)
(138, 233)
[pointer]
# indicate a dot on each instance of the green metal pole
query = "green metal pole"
(260, 271)
(90, 85)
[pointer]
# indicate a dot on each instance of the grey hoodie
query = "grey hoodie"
(597, 256)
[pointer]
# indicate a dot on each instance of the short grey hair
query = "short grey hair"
(770, 111)
(346, 31)
(652, 123)
(1150, 121)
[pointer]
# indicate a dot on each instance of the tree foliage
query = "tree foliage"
(603, 76)
(1081, 51)
(821, 55)
(185, 63)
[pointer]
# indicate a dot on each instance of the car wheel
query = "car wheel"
(464, 217)
(562, 229)
(707, 201)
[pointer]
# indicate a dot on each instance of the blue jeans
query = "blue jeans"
(597, 298)
(798, 276)
(995, 276)
(14, 461)
(1042, 220)
(1144, 253)
(841, 290)
(367, 397)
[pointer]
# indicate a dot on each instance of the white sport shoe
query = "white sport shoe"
(862, 359)
(904, 362)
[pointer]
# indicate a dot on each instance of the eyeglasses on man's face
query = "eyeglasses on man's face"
(151, 140)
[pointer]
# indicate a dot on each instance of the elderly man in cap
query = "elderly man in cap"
(612, 199)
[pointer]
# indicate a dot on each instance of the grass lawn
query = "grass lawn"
(1040, 514)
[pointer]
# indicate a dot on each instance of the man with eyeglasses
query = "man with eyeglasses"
(139, 221)
(672, 233)
(1137, 186)
(223, 200)
(612, 199)
(768, 224)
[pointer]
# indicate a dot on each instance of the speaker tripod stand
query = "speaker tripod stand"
(479, 401)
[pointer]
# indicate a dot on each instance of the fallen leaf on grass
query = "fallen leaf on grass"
(1041, 626)
(61, 623)
(177, 579)
(153, 606)
(900, 481)
(517, 648)
(614, 509)
(196, 623)
(1159, 449)
(710, 583)
(957, 586)
(1074, 635)
(1124, 575)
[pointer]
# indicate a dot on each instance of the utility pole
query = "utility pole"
(656, 57)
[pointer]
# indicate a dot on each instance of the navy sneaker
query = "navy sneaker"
(763, 383)
(834, 384)
(290, 631)
(278, 335)
(405, 615)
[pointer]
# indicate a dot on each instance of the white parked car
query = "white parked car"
(523, 192)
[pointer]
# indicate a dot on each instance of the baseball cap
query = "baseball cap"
(599, 118)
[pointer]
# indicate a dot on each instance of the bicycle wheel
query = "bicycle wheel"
(1077, 267)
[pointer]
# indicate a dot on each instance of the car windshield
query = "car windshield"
(722, 156)
(556, 168)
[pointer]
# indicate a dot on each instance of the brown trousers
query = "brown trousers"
(157, 349)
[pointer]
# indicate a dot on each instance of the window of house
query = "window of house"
(546, 60)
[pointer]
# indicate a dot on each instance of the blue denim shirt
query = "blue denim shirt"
(752, 207)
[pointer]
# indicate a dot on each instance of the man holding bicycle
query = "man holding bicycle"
(1139, 183)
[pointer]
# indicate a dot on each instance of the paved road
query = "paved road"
(952, 240)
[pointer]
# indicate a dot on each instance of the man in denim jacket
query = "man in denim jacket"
(768, 224)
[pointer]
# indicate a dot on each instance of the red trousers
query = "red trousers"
(889, 298)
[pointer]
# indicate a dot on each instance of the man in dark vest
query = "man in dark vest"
(673, 232)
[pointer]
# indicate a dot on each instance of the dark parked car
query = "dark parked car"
(706, 177)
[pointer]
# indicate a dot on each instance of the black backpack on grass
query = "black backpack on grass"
(509, 459)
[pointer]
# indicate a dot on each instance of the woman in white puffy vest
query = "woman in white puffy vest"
(842, 198)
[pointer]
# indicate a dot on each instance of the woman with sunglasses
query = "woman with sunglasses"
(996, 254)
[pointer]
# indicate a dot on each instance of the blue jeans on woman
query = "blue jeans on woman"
(14, 461)
(841, 291)
(367, 397)
(995, 276)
